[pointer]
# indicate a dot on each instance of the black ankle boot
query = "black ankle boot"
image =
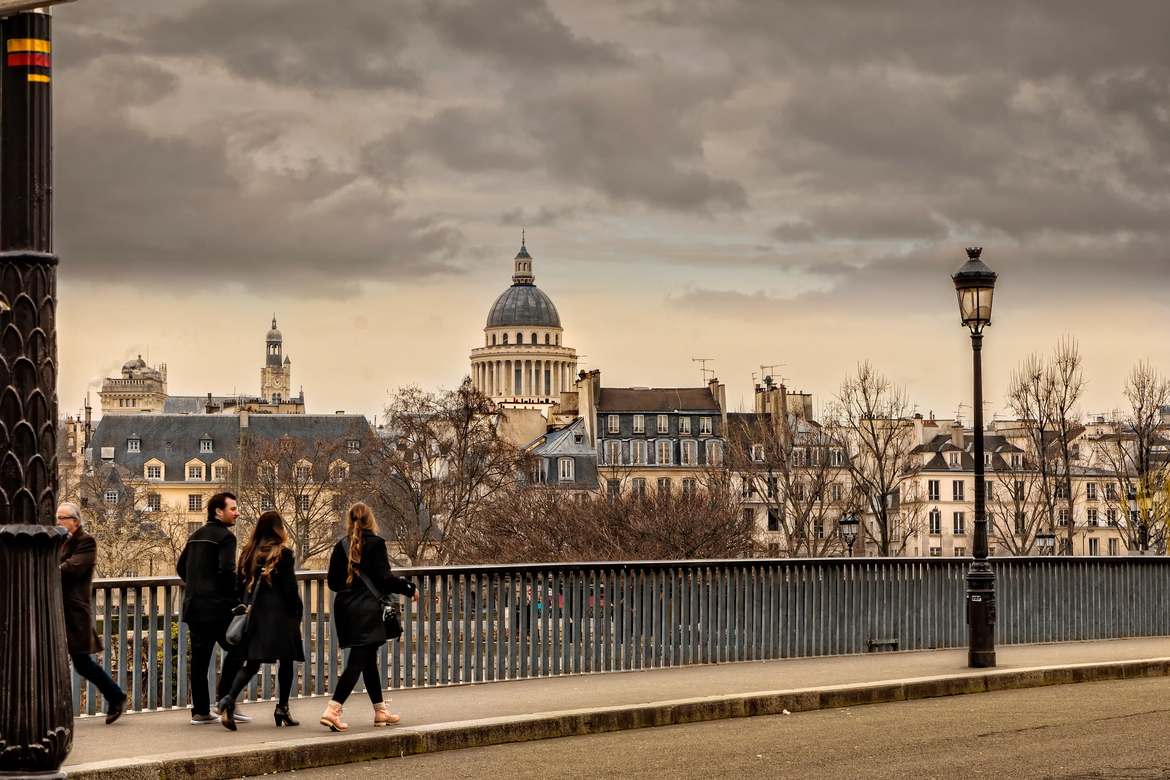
(227, 712)
(282, 717)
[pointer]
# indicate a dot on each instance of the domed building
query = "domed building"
(523, 361)
(141, 389)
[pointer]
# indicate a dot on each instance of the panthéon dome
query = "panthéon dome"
(523, 303)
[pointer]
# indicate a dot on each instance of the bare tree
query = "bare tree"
(128, 539)
(1137, 451)
(533, 523)
(1012, 519)
(442, 457)
(308, 481)
(870, 420)
(798, 471)
(1044, 394)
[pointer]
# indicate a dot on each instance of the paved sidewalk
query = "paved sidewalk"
(143, 735)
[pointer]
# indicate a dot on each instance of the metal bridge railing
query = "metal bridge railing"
(506, 622)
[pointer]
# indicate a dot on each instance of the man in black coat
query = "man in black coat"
(78, 556)
(207, 566)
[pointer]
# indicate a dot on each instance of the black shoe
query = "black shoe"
(116, 710)
(227, 709)
(282, 716)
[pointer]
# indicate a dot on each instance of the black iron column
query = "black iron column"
(980, 577)
(36, 713)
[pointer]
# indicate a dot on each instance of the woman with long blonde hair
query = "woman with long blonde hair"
(267, 579)
(359, 573)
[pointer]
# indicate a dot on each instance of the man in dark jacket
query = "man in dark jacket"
(207, 566)
(78, 556)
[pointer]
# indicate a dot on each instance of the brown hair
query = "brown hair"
(361, 518)
(268, 542)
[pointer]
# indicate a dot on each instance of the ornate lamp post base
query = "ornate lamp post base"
(981, 615)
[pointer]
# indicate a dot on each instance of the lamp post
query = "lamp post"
(1046, 541)
(36, 714)
(847, 526)
(975, 283)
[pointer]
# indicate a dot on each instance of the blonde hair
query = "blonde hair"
(361, 518)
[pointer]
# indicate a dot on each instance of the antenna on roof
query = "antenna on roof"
(703, 370)
(769, 373)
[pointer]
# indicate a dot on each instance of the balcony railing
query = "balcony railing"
(488, 623)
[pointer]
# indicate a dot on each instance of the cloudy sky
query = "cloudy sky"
(756, 182)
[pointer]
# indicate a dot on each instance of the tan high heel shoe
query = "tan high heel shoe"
(383, 716)
(331, 717)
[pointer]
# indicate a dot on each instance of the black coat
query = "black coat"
(208, 568)
(78, 556)
(275, 626)
(357, 615)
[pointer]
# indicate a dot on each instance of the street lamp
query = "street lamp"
(1046, 541)
(36, 713)
(847, 526)
(975, 284)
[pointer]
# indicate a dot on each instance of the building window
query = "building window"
(987, 459)
(493, 339)
(797, 490)
(1113, 547)
(505, 338)
(1091, 491)
(111, 496)
(353, 446)
(303, 503)
(957, 490)
(613, 452)
(705, 426)
(304, 471)
(565, 469)
(1018, 493)
(639, 487)
(960, 521)
(154, 472)
(800, 457)
(613, 423)
(663, 453)
(134, 445)
(639, 423)
(638, 452)
(519, 338)
(613, 487)
(205, 445)
(749, 516)
(953, 459)
(1021, 523)
(1060, 490)
(153, 502)
(773, 519)
(758, 453)
(1016, 460)
(960, 552)
(932, 490)
(714, 453)
(837, 458)
(194, 472)
(533, 340)
(688, 452)
(194, 502)
(935, 552)
(935, 522)
(988, 491)
(1094, 546)
(340, 472)
(663, 423)
(688, 487)
(220, 473)
(1063, 517)
(266, 504)
(664, 486)
(1091, 517)
(684, 426)
(1111, 491)
(1111, 517)
(835, 491)
(547, 339)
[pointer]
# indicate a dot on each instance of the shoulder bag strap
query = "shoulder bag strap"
(369, 585)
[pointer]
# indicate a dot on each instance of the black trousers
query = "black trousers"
(284, 678)
(204, 638)
(362, 662)
(88, 668)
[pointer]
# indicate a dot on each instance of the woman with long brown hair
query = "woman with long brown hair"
(267, 578)
(358, 567)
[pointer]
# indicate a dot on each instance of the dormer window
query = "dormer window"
(206, 445)
(194, 472)
(953, 459)
(353, 446)
(134, 445)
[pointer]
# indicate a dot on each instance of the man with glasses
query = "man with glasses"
(78, 556)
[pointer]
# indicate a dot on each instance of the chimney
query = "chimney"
(588, 390)
(88, 420)
(243, 418)
(808, 406)
(957, 435)
(719, 394)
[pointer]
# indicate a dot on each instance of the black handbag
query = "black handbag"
(391, 621)
(241, 625)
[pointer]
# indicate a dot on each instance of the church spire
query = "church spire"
(522, 266)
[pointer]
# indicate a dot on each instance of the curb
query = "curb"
(323, 751)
